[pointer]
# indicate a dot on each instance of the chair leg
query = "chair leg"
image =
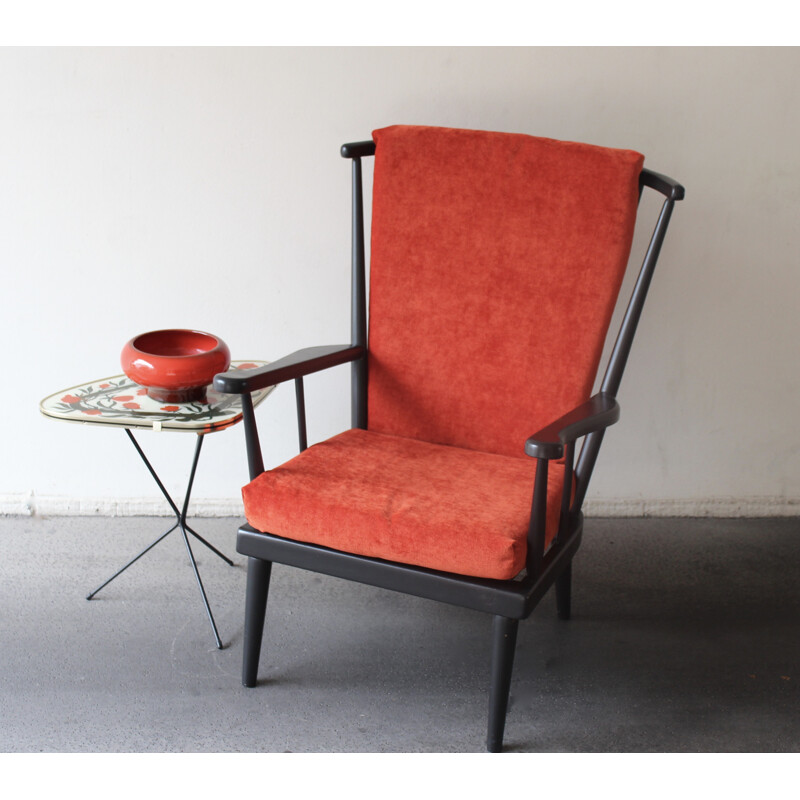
(564, 593)
(258, 575)
(504, 640)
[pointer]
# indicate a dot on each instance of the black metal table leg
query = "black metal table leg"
(134, 559)
(180, 516)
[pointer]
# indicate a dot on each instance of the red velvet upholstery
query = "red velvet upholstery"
(405, 500)
(495, 264)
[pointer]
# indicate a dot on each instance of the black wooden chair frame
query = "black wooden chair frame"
(507, 601)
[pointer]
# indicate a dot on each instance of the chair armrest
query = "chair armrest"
(595, 414)
(302, 362)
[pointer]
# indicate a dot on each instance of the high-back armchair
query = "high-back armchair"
(496, 261)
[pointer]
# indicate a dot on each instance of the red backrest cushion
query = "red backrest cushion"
(495, 264)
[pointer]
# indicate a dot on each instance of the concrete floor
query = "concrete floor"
(685, 638)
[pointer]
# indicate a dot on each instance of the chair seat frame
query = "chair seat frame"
(508, 601)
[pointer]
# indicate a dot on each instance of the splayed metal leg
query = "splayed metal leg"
(180, 516)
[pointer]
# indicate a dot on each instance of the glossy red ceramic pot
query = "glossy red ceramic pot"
(175, 366)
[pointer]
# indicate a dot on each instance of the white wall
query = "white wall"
(148, 188)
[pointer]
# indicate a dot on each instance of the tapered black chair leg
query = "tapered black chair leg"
(564, 593)
(504, 641)
(258, 575)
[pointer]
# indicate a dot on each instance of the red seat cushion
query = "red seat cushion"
(404, 500)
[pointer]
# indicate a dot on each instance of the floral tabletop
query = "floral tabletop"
(120, 401)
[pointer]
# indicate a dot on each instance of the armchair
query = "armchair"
(495, 266)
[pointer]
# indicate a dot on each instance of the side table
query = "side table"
(118, 402)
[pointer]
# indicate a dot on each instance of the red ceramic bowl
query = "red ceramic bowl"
(176, 366)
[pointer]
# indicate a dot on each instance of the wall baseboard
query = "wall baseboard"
(30, 504)
(54, 506)
(723, 507)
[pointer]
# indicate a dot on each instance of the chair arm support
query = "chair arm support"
(595, 414)
(302, 362)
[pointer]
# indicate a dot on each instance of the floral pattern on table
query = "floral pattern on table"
(120, 401)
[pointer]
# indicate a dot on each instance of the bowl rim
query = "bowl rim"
(218, 343)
